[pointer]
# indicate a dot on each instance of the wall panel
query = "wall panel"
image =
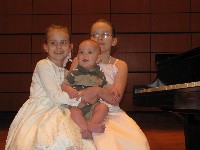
(144, 28)
(12, 101)
(195, 40)
(16, 7)
(137, 79)
(195, 22)
(153, 62)
(90, 7)
(175, 22)
(15, 44)
(133, 43)
(137, 62)
(170, 43)
(15, 82)
(15, 63)
(168, 6)
(41, 22)
(130, 6)
(15, 24)
(81, 23)
(131, 22)
(52, 6)
(37, 43)
(195, 6)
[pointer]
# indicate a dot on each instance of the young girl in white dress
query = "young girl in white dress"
(43, 122)
(121, 132)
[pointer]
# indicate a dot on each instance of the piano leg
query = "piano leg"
(192, 131)
(191, 128)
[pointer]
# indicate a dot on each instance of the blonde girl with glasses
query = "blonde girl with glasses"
(121, 132)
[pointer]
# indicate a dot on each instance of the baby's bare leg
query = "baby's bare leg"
(99, 114)
(77, 117)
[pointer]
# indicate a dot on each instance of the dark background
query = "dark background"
(144, 28)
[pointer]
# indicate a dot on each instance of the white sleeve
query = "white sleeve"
(51, 86)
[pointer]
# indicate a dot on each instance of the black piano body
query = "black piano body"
(176, 89)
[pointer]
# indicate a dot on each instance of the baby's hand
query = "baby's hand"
(88, 95)
(73, 93)
(116, 97)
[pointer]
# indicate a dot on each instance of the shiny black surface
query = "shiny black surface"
(184, 102)
(181, 68)
(178, 69)
(183, 99)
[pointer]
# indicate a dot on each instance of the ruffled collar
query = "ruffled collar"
(54, 64)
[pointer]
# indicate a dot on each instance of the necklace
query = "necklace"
(109, 61)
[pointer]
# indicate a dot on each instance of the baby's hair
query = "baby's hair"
(97, 46)
(107, 22)
(53, 27)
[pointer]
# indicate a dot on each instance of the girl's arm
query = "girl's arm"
(121, 77)
(113, 91)
(120, 81)
(51, 86)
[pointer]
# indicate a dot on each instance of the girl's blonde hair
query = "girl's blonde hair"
(53, 27)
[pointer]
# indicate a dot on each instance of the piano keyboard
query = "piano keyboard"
(170, 87)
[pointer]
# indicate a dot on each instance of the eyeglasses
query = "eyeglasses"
(103, 35)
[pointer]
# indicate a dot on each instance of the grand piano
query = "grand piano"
(177, 90)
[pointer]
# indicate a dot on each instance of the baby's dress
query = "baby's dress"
(122, 132)
(42, 123)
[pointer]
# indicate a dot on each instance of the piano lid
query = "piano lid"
(181, 68)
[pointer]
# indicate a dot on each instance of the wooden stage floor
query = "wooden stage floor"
(163, 130)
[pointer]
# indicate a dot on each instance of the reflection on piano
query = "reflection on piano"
(176, 89)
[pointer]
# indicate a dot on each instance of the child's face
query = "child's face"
(57, 46)
(102, 33)
(88, 55)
